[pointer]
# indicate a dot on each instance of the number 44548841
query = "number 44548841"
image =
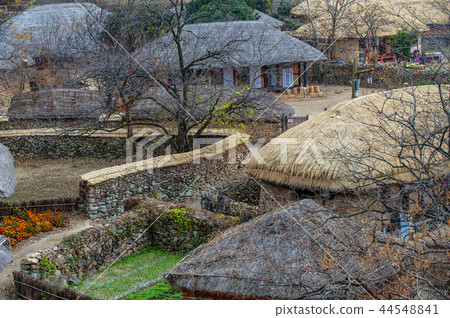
(409, 309)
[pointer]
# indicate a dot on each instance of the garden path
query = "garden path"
(34, 245)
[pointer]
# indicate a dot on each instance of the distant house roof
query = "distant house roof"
(383, 19)
(58, 103)
(61, 28)
(262, 17)
(230, 44)
(7, 173)
(283, 255)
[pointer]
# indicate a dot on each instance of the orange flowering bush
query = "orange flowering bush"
(24, 223)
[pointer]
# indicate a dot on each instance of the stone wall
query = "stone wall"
(103, 192)
(54, 147)
(150, 223)
(239, 197)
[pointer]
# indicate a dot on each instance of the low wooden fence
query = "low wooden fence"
(60, 205)
(30, 288)
(287, 122)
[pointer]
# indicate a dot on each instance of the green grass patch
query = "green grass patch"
(160, 291)
(130, 275)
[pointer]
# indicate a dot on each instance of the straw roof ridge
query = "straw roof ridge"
(341, 148)
(99, 176)
(300, 252)
(7, 173)
(262, 17)
(233, 44)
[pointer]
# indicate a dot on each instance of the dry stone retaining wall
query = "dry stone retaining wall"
(103, 192)
(173, 228)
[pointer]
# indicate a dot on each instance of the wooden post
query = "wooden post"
(305, 84)
(356, 73)
(299, 75)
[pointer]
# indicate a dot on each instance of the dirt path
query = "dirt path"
(333, 94)
(44, 242)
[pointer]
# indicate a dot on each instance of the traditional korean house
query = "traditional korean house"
(300, 252)
(63, 30)
(237, 53)
(365, 30)
(363, 153)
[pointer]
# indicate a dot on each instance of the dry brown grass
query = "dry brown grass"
(51, 179)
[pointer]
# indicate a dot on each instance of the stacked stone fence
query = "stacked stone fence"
(149, 223)
(31, 288)
(103, 192)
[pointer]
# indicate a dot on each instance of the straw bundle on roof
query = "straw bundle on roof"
(7, 173)
(300, 252)
(360, 141)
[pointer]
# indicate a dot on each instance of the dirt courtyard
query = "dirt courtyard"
(333, 94)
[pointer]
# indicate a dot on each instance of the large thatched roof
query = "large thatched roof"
(382, 18)
(230, 44)
(259, 105)
(7, 173)
(5, 252)
(300, 252)
(52, 29)
(367, 137)
(58, 103)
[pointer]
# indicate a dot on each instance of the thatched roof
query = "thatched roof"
(262, 17)
(388, 16)
(230, 44)
(59, 29)
(58, 103)
(7, 173)
(356, 140)
(5, 252)
(259, 105)
(300, 252)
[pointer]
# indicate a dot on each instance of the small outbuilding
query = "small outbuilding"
(301, 252)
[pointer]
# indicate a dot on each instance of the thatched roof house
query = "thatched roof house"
(300, 252)
(58, 103)
(358, 141)
(5, 252)
(367, 20)
(7, 173)
(64, 30)
(245, 52)
(256, 105)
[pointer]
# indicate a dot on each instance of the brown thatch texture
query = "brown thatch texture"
(367, 137)
(389, 16)
(230, 44)
(5, 252)
(300, 252)
(58, 103)
(7, 173)
(256, 104)
(59, 29)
